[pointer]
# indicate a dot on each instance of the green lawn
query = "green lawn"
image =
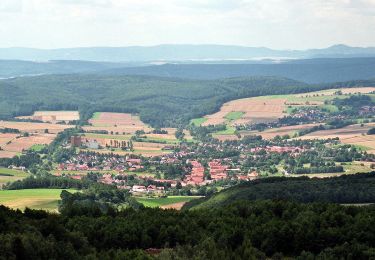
(37, 147)
(46, 199)
(198, 121)
(96, 115)
(231, 116)
(229, 131)
(158, 202)
(15, 175)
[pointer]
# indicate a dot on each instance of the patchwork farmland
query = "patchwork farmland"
(352, 134)
(31, 134)
(269, 108)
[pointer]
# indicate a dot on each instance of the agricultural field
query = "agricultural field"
(265, 109)
(116, 123)
(10, 175)
(20, 144)
(248, 110)
(31, 127)
(53, 116)
(352, 134)
(46, 199)
(145, 148)
(349, 168)
(171, 202)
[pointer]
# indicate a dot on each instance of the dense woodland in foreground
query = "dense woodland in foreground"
(243, 230)
(91, 224)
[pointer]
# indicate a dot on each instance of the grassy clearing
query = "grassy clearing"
(234, 115)
(158, 202)
(46, 199)
(37, 147)
(96, 115)
(10, 175)
(229, 131)
(198, 121)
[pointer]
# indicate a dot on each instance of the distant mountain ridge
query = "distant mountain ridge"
(180, 52)
(321, 70)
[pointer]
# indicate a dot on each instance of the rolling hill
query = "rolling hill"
(179, 52)
(359, 188)
(158, 101)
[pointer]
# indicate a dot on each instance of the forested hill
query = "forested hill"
(359, 188)
(159, 101)
(309, 70)
(306, 70)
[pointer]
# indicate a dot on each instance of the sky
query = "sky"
(278, 24)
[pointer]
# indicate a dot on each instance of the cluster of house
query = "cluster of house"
(278, 149)
(96, 162)
(217, 170)
(196, 177)
(365, 110)
(310, 114)
(135, 189)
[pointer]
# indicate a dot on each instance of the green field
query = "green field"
(158, 202)
(198, 121)
(46, 199)
(96, 115)
(14, 175)
(231, 116)
(37, 147)
(229, 131)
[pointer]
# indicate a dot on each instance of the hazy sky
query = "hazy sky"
(285, 24)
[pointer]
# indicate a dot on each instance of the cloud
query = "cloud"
(272, 23)
(11, 6)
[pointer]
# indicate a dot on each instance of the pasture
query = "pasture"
(10, 175)
(46, 199)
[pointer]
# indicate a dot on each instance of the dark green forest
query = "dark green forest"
(158, 101)
(256, 222)
(346, 189)
(243, 230)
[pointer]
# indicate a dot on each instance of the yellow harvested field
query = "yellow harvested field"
(4, 138)
(345, 91)
(256, 110)
(116, 122)
(7, 154)
(53, 116)
(365, 141)
(342, 133)
(17, 145)
(353, 134)
(31, 127)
